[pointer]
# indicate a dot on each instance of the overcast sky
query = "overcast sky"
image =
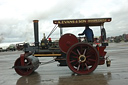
(16, 17)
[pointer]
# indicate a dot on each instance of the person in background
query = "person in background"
(88, 34)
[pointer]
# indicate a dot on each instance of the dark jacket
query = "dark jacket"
(89, 34)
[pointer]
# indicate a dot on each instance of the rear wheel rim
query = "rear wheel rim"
(82, 58)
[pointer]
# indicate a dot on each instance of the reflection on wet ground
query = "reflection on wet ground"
(92, 79)
(33, 79)
(51, 74)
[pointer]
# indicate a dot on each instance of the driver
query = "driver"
(88, 34)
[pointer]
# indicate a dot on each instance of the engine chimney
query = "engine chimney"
(36, 32)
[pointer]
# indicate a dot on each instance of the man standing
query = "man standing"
(88, 33)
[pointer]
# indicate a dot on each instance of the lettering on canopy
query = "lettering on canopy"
(97, 20)
(80, 21)
(69, 21)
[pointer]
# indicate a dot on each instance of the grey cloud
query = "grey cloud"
(20, 27)
(119, 23)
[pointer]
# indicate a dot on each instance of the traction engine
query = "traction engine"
(80, 56)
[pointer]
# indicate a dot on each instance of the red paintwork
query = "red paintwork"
(66, 41)
(23, 72)
(22, 56)
(86, 67)
(102, 54)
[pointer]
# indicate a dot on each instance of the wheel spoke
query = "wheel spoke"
(78, 52)
(90, 52)
(83, 66)
(86, 66)
(87, 62)
(72, 61)
(74, 53)
(74, 57)
(88, 56)
(76, 63)
(84, 52)
(78, 68)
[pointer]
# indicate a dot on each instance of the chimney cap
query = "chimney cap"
(35, 21)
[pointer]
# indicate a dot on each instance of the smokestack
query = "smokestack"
(36, 32)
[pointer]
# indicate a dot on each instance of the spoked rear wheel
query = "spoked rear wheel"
(82, 58)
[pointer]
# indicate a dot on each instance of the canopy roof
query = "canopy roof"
(81, 22)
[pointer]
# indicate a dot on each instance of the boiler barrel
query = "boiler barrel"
(31, 63)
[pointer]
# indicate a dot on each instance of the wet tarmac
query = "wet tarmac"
(51, 74)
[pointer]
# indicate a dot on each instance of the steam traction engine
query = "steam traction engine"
(80, 56)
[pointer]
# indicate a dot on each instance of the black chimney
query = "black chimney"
(36, 32)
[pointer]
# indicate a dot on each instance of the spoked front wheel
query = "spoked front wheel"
(82, 58)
